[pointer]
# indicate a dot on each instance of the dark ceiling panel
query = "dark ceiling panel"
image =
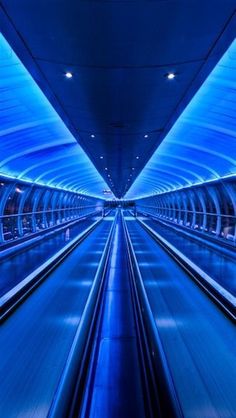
(141, 33)
(119, 53)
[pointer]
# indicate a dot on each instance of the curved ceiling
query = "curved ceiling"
(201, 146)
(35, 145)
(119, 104)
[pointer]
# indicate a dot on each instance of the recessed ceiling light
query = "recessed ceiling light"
(146, 136)
(101, 157)
(108, 175)
(137, 158)
(106, 168)
(170, 76)
(92, 136)
(68, 74)
(133, 168)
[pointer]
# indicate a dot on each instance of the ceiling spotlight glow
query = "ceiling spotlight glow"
(92, 136)
(170, 76)
(68, 74)
(101, 157)
(146, 136)
(137, 158)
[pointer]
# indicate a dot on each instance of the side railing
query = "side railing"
(16, 226)
(220, 226)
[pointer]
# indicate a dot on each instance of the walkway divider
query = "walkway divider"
(225, 300)
(168, 399)
(17, 294)
(73, 376)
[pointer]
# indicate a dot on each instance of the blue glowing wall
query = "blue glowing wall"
(201, 146)
(35, 145)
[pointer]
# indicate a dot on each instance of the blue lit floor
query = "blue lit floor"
(36, 339)
(16, 267)
(218, 266)
(199, 341)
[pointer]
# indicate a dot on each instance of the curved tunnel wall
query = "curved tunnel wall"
(209, 208)
(201, 146)
(28, 208)
(35, 145)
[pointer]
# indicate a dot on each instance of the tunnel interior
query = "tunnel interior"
(117, 208)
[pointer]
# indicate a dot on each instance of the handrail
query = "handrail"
(209, 237)
(50, 211)
(223, 215)
(170, 406)
(73, 371)
(16, 242)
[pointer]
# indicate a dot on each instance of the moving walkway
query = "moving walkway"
(117, 328)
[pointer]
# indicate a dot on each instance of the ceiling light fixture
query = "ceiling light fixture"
(101, 157)
(68, 74)
(137, 158)
(146, 136)
(170, 76)
(92, 136)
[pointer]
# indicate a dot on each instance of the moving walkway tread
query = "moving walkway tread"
(198, 339)
(218, 266)
(114, 386)
(36, 339)
(15, 268)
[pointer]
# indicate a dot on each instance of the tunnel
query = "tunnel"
(117, 208)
